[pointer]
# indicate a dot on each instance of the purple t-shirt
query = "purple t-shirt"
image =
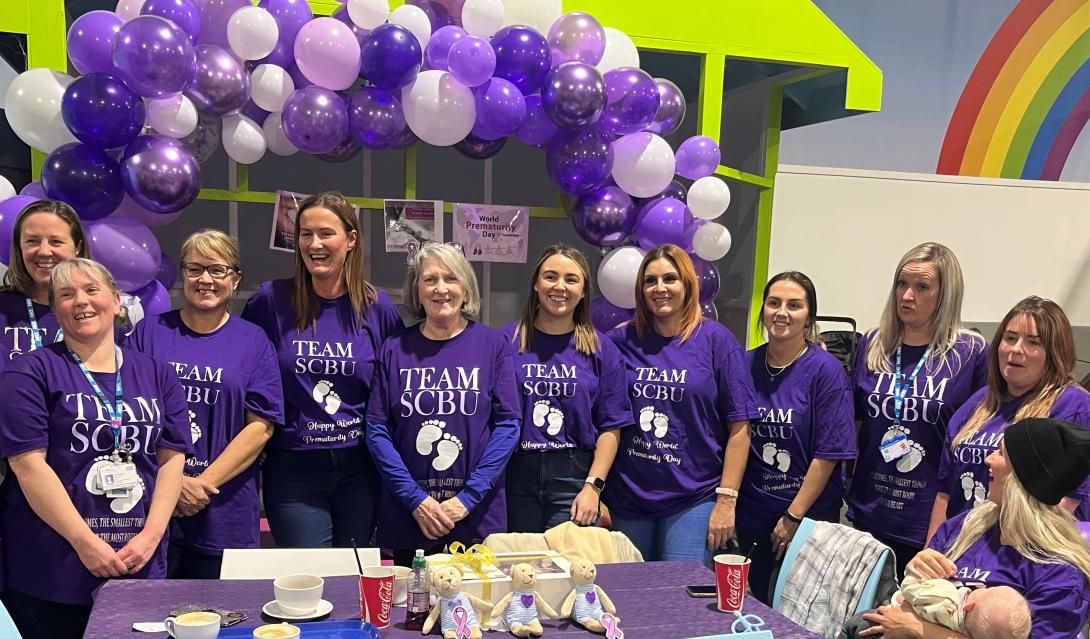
(806, 414)
(684, 397)
(16, 338)
(49, 404)
(568, 397)
(893, 499)
(962, 472)
(440, 400)
(224, 374)
(1058, 594)
(326, 369)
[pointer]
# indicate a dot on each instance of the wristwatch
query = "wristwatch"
(596, 482)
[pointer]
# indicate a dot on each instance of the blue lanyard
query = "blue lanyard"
(34, 326)
(900, 391)
(115, 410)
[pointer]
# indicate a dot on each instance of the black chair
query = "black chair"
(841, 344)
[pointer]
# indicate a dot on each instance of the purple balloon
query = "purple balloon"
(327, 53)
(154, 298)
(577, 37)
(183, 13)
(160, 174)
(254, 112)
(358, 31)
(343, 152)
(605, 216)
(391, 57)
(437, 12)
(131, 210)
(405, 139)
(221, 84)
(214, 18)
(537, 129)
(480, 148)
(697, 157)
(574, 94)
(315, 119)
(606, 316)
(127, 249)
(663, 222)
(101, 111)
(375, 117)
(168, 271)
(9, 211)
(154, 57)
(632, 100)
(471, 61)
(579, 160)
(522, 57)
(671, 111)
(84, 177)
(709, 311)
(674, 189)
(205, 139)
(689, 233)
(34, 190)
(290, 16)
(501, 108)
(708, 277)
(438, 49)
(91, 41)
(298, 79)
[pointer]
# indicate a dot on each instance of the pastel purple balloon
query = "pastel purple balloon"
(708, 277)
(537, 129)
(342, 14)
(290, 16)
(632, 100)
(214, 18)
(154, 57)
(471, 61)
(375, 117)
(605, 216)
(577, 37)
(663, 222)
(605, 316)
(574, 94)
(183, 13)
(34, 189)
(671, 111)
(328, 53)
(91, 41)
(85, 177)
(101, 111)
(9, 211)
(315, 119)
(579, 160)
(131, 210)
(438, 49)
(127, 249)
(205, 139)
(697, 157)
(168, 271)
(479, 148)
(154, 298)
(160, 174)
(221, 84)
(501, 108)
(522, 57)
(390, 57)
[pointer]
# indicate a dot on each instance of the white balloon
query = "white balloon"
(32, 104)
(620, 52)
(274, 136)
(128, 9)
(415, 20)
(270, 87)
(243, 139)
(708, 197)
(368, 13)
(483, 18)
(174, 117)
(252, 33)
(6, 189)
(711, 241)
(617, 275)
(438, 109)
(643, 164)
(538, 14)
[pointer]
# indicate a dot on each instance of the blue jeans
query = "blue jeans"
(320, 498)
(683, 535)
(542, 486)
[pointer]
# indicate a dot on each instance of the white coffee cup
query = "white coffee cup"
(193, 625)
(277, 631)
(401, 584)
(298, 594)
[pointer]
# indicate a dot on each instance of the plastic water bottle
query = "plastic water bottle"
(418, 604)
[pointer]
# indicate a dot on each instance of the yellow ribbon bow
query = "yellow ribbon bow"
(477, 557)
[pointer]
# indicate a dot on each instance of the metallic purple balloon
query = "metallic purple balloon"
(438, 49)
(579, 160)
(501, 108)
(437, 12)
(574, 94)
(375, 117)
(405, 139)
(154, 57)
(632, 100)
(605, 216)
(254, 112)
(480, 148)
(101, 111)
(84, 177)
(606, 316)
(205, 139)
(709, 311)
(214, 18)
(708, 277)
(290, 16)
(663, 222)
(675, 190)
(522, 57)
(358, 31)
(221, 84)
(343, 152)
(315, 119)
(91, 41)
(577, 37)
(537, 129)
(471, 61)
(127, 249)
(390, 58)
(671, 111)
(160, 174)
(697, 157)
(183, 13)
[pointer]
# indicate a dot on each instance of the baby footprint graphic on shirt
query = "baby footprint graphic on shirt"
(774, 456)
(325, 396)
(194, 429)
(650, 418)
(910, 460)
(119, 505)
(974, 491)
(447, 448)
(430, 432)
(544, 412)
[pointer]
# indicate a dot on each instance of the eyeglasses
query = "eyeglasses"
(193, 270)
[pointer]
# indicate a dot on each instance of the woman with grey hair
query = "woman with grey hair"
(444, 414)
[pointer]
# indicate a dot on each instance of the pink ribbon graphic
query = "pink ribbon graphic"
(613, 631)
(461, 620)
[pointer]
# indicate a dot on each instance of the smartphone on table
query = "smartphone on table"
(700, 591)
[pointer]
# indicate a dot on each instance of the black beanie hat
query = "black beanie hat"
(1051, 457)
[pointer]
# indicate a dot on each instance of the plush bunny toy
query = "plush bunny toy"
(520, 606)
(447, 581)
(588, 602)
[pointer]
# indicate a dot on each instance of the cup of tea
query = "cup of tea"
(731, 575)
(401, 584)
(277, 631)
(298, 594)
(377, 595)
(193, 625)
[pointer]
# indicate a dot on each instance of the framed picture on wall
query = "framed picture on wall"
(416, 221)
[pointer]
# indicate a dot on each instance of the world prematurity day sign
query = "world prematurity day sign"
(492, 233)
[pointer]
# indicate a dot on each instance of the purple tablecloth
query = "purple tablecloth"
(650, 599)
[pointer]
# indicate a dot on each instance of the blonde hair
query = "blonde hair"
(946, 327)
(691, 315)
(62, 276)
(1003, 614)
(586, 338)
(453, 259)
(1054, 330)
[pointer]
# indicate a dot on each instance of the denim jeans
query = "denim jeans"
(320, 498)
(683, 535)
(542, 486)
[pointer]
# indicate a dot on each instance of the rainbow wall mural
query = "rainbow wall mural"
(1028, 97)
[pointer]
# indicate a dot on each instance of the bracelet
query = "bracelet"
(727, 492)
(789, 517)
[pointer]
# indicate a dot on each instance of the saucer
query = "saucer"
(273, 610)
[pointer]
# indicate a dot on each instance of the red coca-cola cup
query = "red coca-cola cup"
(731, 575)
(377, 595)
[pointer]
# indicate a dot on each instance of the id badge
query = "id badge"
(894, 447)
(114, 476)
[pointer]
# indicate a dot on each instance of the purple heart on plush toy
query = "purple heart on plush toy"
(454, 603)
(527, 601)
(591, 597)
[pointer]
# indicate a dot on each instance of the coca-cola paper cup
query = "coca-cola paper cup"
(731, 575)
(377, 595)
